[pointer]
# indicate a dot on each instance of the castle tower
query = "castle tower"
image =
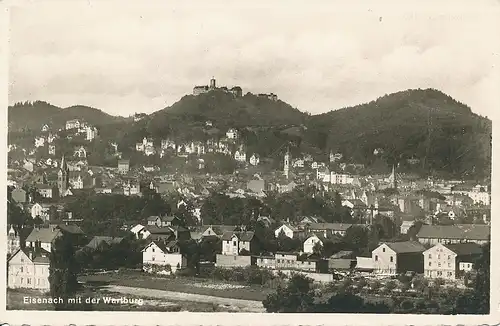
(63, 177)
(212, 83)
(286, 165)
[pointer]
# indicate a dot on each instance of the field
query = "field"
(179, 284)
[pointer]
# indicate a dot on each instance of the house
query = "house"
(450, 261)
(256, 186)
(46, 191)
(240, 156)
(458, 233)
(391, 258)
(90, 133)
(216, 230)
(329, 229)
(39, 142)
(99, 240)
(43, 237)
(73, 124)
(154, 221)
(39, 210)
(234, 242)
(137, 231)
(19, 195)
(159, 253)
(289, 231)
(232, 134)
(80, 152)
(312, 240)
(13, 241)
(45, 128)
(123, 166)
(254, 159)
(29, 268)
(298, 163)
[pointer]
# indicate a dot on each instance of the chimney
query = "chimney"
(30, 255)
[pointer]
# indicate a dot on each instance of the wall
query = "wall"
(317, 277)
(233, 261)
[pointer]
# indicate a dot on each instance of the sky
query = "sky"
(316, 55)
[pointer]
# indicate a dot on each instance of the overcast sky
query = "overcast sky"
(317, 56)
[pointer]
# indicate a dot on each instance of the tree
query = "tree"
(356, 238)
(297, 296)
(63, 272)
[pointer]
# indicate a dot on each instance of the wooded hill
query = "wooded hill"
(444, 135)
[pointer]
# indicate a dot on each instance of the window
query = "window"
(153, 258)
(376, 258)
(430, 264)
(449, 257)
(392, 259)
(439, 264)
(153, 249)
(439, 256)
(234, 243)
(430, 256)
(383, 249)
(22, 280)
(449, 264)
(28, 280)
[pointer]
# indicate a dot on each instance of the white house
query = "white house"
(52, 149)
(391, 258)
(254, 159)
(311, 241)
(234, 242)
(44, 237)
(73, 124)
(39, 142)
(45, 128)
(40, 211)
(240, 156)
(28, 269)
(448, 260)
(288, 230)
(232, 134)
(162, 254)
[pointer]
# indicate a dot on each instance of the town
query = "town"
(177, 208)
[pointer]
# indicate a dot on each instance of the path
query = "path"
(244, 305)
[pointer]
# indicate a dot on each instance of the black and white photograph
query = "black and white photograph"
(250, 157)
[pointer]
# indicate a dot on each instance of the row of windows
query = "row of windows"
(439, 264)
(439, 273)
(29, 281)
(390, 258)
(439, 256)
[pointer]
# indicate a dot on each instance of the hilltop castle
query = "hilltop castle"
(236, 90)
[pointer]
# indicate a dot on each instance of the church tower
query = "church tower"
(393, 178)
(212, 83)
(63, 177)
(286, 165)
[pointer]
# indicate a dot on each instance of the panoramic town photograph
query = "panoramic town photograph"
(234, 158)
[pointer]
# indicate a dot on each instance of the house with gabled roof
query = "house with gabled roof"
(391, 258)
(289, 231)
(163, 253)
(450, 261)
(234, 242)
(329, 229)
(29, 268)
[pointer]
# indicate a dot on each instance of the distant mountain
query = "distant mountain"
(33, 115)
(427, 125)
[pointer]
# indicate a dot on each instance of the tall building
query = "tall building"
(212, 83)
(286, 165)
(63, 177)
